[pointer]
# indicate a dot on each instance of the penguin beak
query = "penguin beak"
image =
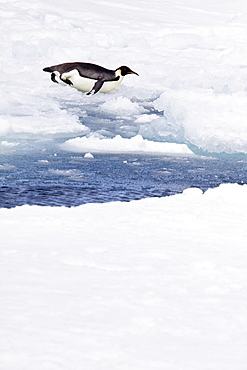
(133, 73)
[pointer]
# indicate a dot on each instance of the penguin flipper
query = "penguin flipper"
(66, 80)
(97, 86)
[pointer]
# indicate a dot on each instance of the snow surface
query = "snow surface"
(192, 62)
(153, 284)
(159, 283)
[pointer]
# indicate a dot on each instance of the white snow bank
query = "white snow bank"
(158, 283)
(120, 145)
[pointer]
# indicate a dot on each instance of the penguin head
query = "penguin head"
(126, 71)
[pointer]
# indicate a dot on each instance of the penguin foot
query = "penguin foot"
(53, 78)
(92, 92)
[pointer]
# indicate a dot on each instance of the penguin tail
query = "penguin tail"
(49, 69)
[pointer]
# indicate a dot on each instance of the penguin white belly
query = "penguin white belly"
(86, 84)
(110, 85)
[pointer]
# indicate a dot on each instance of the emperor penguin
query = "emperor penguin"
(88, 77)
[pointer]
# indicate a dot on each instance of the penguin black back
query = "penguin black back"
(87, 70)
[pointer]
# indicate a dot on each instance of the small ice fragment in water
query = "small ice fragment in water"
(43, 161)
(88, 155)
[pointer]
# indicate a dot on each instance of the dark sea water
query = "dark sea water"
(68, 179)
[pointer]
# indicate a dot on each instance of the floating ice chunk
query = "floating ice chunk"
(88, 155)
(122, 145)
